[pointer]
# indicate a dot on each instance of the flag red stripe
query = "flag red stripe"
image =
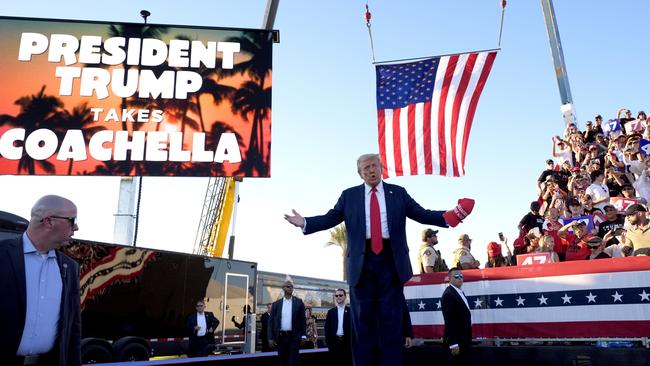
(474, 102)
(543, 270)
(460, 94)
(591, 329)
(413, 158)
(381, 123)
(426, 134)
(397, 149)
(442, 144)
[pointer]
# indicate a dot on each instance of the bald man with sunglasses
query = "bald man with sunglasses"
(39, 290)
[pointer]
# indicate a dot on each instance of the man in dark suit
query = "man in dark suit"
(39, 290)
(266, 319)
(287, 326)
(201, 326)
(337, 330)
(378, 263)
(458, 319)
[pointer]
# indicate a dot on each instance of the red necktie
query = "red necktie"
(375, 223)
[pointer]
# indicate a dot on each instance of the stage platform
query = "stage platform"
(436, 355)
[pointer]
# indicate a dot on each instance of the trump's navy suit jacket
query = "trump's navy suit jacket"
(13, 304)
(351, 209)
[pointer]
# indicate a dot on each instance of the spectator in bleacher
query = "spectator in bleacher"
(572, 135)
(593, 156)
(549, 172)
(596, 245)
(598, 190)
(495, 258)
(521, 243)
(601, 142)
(547, 245)
(551, 226)
(642, 183)
(578, 147)
(615, 182)
(591, 130)
(562, 176)
(576, 247)
(534, 235)
(638, 236)
(618, 250)
(612, 222)
(624, 116)
(561, 151)
(627, 191)
(579, 181)
(588, 205)
(463, 257)
(551, 195)
(574, 208)
(533, 218)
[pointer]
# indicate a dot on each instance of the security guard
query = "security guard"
(430, 259)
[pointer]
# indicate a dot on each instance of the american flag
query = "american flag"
(579, 299)
(425, 111)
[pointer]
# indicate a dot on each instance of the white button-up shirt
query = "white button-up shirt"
(285, 320)
(341, 313)
(381, 198)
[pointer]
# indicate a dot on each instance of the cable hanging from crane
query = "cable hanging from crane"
(503, 12)
(368, 17)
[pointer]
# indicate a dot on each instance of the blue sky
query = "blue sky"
(324, 115)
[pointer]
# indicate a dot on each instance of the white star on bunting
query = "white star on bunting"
(617, 297)
(644, 296)
(566, 299)
(542, 300)
(421, 305)
(478, 303)
(498, 302)
(591, 298)
(520, 301)
(439, 305)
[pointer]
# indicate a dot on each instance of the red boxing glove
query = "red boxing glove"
(460, 212)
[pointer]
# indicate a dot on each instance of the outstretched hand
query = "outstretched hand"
(295, 219)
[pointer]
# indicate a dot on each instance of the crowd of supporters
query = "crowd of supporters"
(593, 194)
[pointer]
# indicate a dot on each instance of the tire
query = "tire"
(133, 352)
(96, 353)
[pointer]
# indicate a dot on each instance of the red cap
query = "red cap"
(493, 249)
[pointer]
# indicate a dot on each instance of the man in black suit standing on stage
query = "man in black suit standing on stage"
(337, 330)
(287, 326)
(201, 326)
(458, 319)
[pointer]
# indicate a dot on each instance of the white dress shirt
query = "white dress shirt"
(381, 197)
(462, 295)
(341, 313)
(200, 321)
(285, 319)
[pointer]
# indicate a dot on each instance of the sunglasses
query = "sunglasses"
(339, 295)
(71, 220)
(459, 276)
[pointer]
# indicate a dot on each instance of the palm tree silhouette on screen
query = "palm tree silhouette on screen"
(36, 111)
(253, 100)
